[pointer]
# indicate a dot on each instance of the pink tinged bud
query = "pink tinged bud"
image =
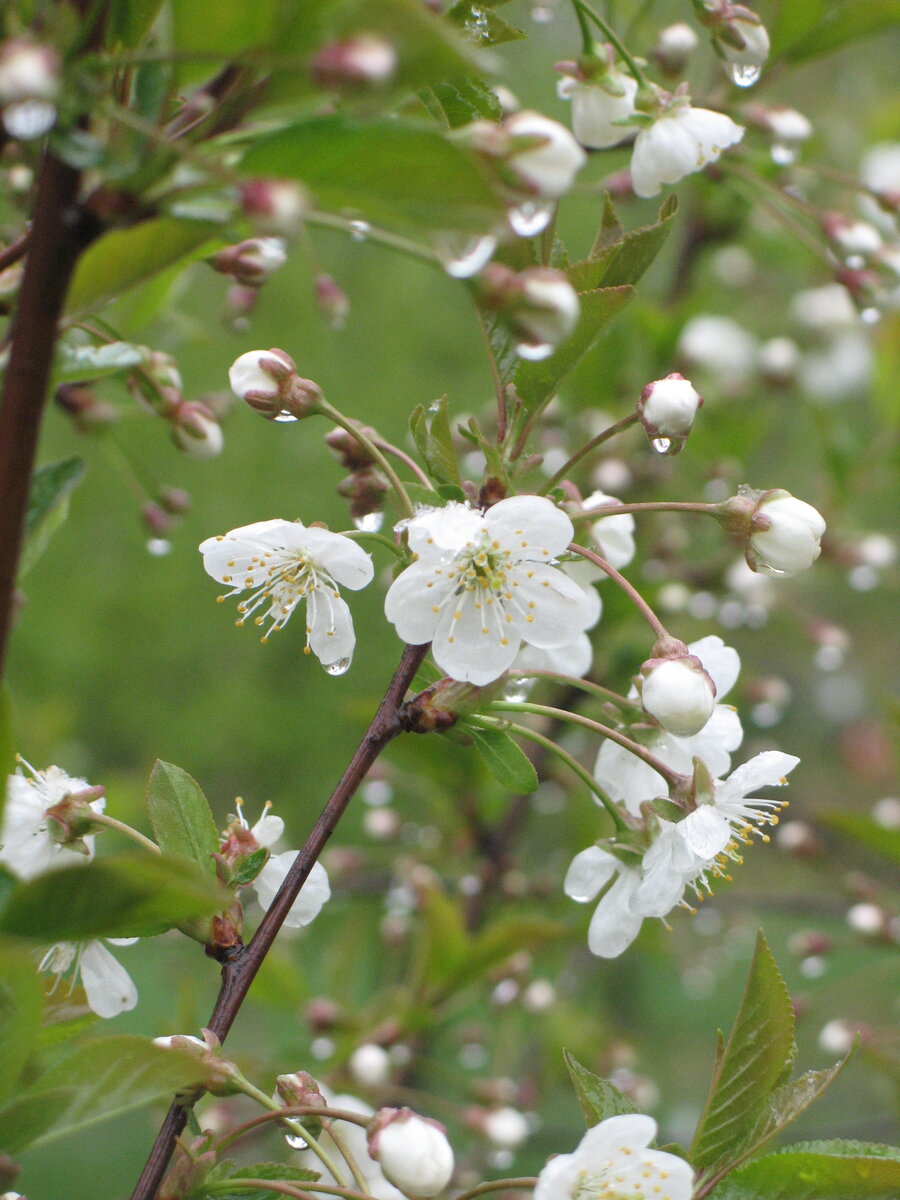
(679, 693)
(174, 500)
(252, 262)
(331, 300)
(667, 409)
(196, 431)
(785, 534)
(28, 71)
(365, 61)
(539, 306)
(413, 1151)
(275, 206)
(674, 47)
(267, 380)
(298, 1089)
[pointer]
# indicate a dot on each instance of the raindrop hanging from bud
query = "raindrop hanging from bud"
(461, 258)
(530, 217)
(662, 445)
(744, 75)
(339, 667)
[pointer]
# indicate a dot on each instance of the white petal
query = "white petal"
(764, 770)
(558, 1179)
(531, 526)
(443, 529)
(469, 639)
(612, 1135)
(588, 872)
(313, 895)
(108, 986)
(344, 560)
(722, 662)
(548, 607)
(412, 600)
(615, 924)
(705, 831)
(331, 635)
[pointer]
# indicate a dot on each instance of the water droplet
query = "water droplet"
(534, 351)
(530, 217)
(744, 74)
(296, 1142)
(518, 690)
(478, 26)
(541, 14)
(284, 417)
(360, 230)
(339, 667)
(159, 547)
(870, 316)
(783, 154)
(369, 522)
(661, 445)
(462, 257)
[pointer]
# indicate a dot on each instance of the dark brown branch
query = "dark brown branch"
(60, 232)
(242, 965)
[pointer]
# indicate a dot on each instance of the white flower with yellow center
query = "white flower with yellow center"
(613, 1162)
(108, 987)
(28, 846)
(484, 583)
(283, 562)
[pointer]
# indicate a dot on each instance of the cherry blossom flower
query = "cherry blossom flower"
(484, 583)
(787, 535)
(615, 924)
(681, 140)
(613, 536)
(28, 846)
(283, 562)
(413, 1151)
(601, 106)
(613, 1161)
(543, 155)
(107, 985)
(313, 895)
(678, 692)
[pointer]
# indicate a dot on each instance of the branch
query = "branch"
(239, 970)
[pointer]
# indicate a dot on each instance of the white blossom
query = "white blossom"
(667, 407)
(600, 106)
(483, 583)
(721, 347)
(547, 167)
(674, 46)
(575, 657)
(28, 71)
(613, 535)
(353, 1137)
(548, 311)
(370, 1065)
(506, 1127)
(615, 924)
(283, 562)
(107, 985)
(790, 536)
(680, 141)
(613, 1162)
(27, 845)
(679, 693)
(313, 895)
(413, 1151)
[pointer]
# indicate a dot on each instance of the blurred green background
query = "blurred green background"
(121, 656)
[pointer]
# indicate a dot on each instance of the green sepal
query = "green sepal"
(249, 868)
(431, 432)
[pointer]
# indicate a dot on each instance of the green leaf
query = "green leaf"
(21, 1010)
(180, 816)
(48, 506)
(498, 942)
(249, 868)
(459, 103)
(841, 24)
(624, 259)
(267, 1170)
(504, 758)
(861, 1173)
(865, 831)
(125, 896)
(123, 258)
(128, 21)
(538, 382)
(101, 1079)
(238, 29)
(434, 441)
(446, 940)
(791, 1099)
(759, 1050)
(597, 1097)
(392, 173)
(481, 24)
(86, 363)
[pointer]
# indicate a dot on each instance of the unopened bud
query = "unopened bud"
(196, 431)
(667, 408)
(445, 702)
(677, 690)
(851, 237)
(87, 410)
(781, 534)
(222, 1078)
(674, 47)
(73, 817)
(349, 451)
(275, 206)
(740, 38)
(413, 1151)
(332, 301)
(253, 261)
(370, 1065)
(267, 380)
(532, 154)
(174, 500)
(539, 306)
(298, 1090)
(29, 85)
(365, 61)
(365, 490)
(156, 520)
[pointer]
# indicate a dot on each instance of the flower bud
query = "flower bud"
(88, 411)
(787, 534)
(364, 61)
(365, 491)
(674, 47)
(267, 380)
(741, 39)
(29, 85)
(73, 817)
(196, 431)
(539, 306)
(370, 1065)
(175, 501)
(667, 408)
(413, 1151)
(222, 1077)
(851, 238)
(543, 156)
(253, 261)
(349, 451)
(677, 690)
(441, 705)
(602, 99)
(275, 206)
(506, 1127)
(331, 300)
(298, 1089)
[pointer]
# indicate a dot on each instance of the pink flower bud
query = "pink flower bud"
(365, 61)
(196, 431)
(674, 47)
(275, 206)
(267, 380)
(28, 71)
(332, 301)
(413, 1151)
(251, 262)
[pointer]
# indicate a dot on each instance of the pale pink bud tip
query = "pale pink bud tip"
(413, 1151)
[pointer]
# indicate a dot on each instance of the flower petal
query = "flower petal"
(530, 525)
(108, 986)
(588, 872)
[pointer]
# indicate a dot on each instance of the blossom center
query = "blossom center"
(283, 580)
(641, 1179)
(482, 565)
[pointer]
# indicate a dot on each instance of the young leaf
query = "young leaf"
(498, 942)
(842, 23)
(123, 896)
(434, 441)
(80, 363)
(504, 758)
(21, 1009)
(48, 506)
(597, 1097)
(817, 1171)
(459, 103)
(624, 259)
(104, 1078)
(123, 258)
(180, 816)
(759, 1050)
(392, 173)
(481, 24)
(791, 1099)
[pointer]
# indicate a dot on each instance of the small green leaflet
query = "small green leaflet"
(597, 1097)
(504, 758)
(48, 506)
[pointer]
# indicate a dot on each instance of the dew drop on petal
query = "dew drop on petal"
(360, 230)
(534, 351)
(744, 74)
(530, 217)
(661, 445)
(462, 257)
(782, 154)
(296, 1142)
(369, 522)
(339, 667)
(284, 417)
